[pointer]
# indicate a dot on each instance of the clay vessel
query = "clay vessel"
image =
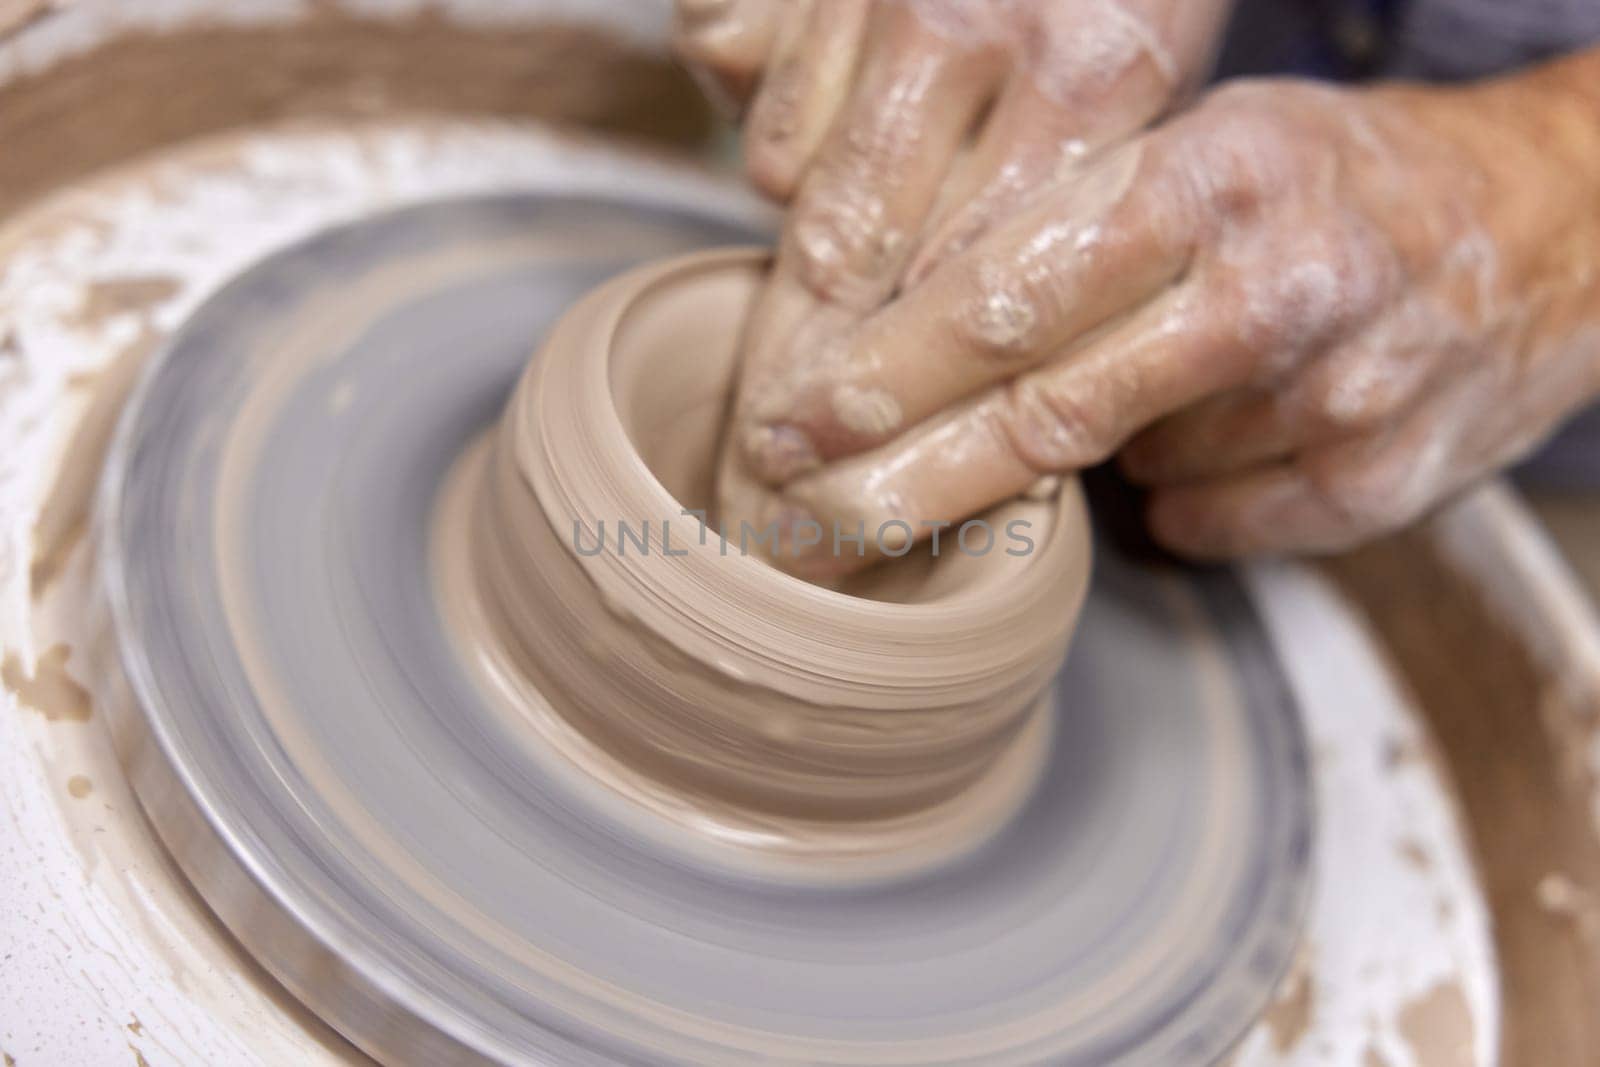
(901, 713)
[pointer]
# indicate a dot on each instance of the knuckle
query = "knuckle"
(1242, 148)
(1088, 61)
(840, 245)
(1000, 318)
(1366, 499)
(1314, 288)
(1050, 430)
(1360, 397)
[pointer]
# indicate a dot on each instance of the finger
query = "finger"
(1058, 419)
(804, 87)
(952, 465)
(793, 314)
(1080, 85)
(1328, 500)
(1034, 133)
(1030, 290)
(725, 44)
(1349, 393)
(875, 177)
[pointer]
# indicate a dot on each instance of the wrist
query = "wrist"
(1538, 121)
(1516, 161)
(1540, 132)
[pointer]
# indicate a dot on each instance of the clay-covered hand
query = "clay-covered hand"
(899, 130)
(860, 107)
(1309, 313)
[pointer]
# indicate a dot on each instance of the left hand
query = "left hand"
(1308, 313)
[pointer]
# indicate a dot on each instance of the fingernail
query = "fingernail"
(777, 454)
(1046, 488)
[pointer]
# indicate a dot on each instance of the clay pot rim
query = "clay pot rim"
(1070, 516)
(971, 639)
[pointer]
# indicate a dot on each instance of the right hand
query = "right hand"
(900, 131)
(1303, 315)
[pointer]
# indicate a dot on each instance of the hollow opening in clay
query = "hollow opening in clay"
(674, 355)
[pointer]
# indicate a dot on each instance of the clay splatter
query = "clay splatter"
(116, 296)
(51, 690)
(1290, 1015)
(1413, 853)
(64, 516)
(79, 786)
(1563, 898)
(1439, 1028)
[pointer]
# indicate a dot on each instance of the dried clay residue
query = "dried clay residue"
(49, 690)
(110, 297)
(1525, 817)
(1438, 1027)
(1414, 854)
(1564, 899)
(79, 786)
(64, 515)
(1289, 1018)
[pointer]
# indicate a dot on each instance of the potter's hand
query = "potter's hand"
(899, 130)
(1314, 312)
(858, 108)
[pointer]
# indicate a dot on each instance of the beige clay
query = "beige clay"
(888, 723)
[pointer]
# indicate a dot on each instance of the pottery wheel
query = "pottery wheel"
(375, 833)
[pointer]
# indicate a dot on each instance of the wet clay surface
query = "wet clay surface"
(1526, 800)
(143, 90)
(905, 709)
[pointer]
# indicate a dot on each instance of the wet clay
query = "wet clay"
(900, 715)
